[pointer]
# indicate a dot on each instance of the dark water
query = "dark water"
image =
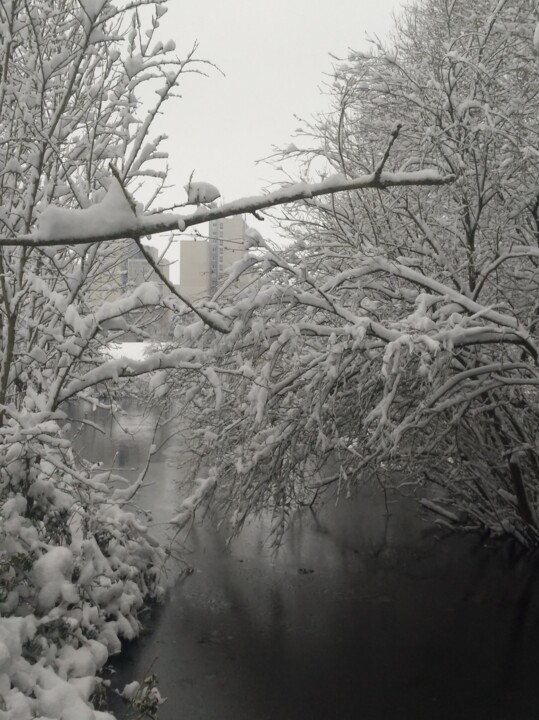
(360, 615)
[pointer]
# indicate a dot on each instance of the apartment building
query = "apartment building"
(226, 246)
(194, 267)
(203, 263)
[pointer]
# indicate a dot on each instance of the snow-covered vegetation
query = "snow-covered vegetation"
(81, 84)
(76, 563)
(398, 336)
(397, 333)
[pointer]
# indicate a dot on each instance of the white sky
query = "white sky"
(275, 56)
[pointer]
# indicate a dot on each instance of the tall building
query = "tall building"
(194, 267)
(227, 246)
(204, 263)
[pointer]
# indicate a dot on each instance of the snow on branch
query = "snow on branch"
(186, 358)
(209, 318)
(113, 218)
(382, 265)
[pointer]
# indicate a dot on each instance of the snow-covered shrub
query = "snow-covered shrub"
(76, 563)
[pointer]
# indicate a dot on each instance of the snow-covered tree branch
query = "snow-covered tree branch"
(113, 219)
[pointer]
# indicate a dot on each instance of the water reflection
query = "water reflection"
(361, 614)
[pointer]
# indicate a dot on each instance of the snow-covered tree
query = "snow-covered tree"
(81, 83)
(400, 331)
(75, 565)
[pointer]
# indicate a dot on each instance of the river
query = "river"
(362, 613)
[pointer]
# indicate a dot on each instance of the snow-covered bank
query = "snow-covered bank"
(68, 598)
(58, 686)
(79, 602)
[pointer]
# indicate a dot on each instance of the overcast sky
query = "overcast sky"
(275, 58)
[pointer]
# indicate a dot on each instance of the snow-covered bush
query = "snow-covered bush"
(76, 565)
